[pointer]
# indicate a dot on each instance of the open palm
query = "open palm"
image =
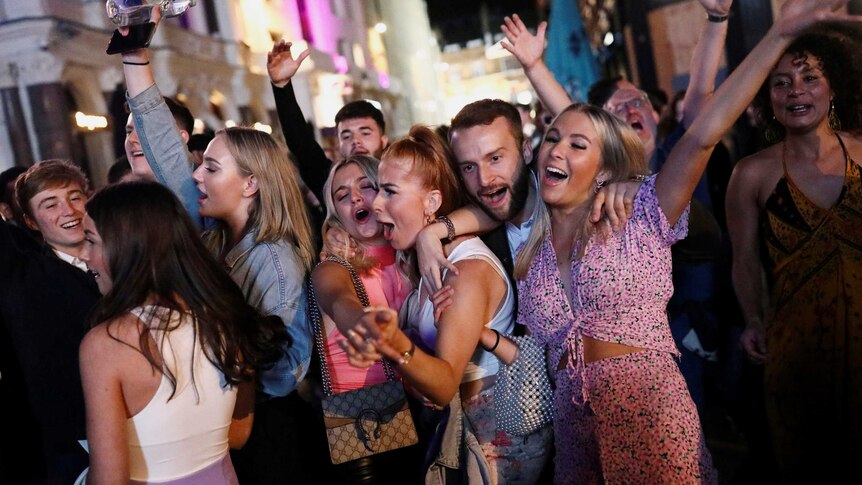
(280, 63)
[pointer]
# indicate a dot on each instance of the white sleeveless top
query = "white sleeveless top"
(481, 364)
(170, 439)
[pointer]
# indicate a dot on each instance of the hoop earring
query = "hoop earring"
(771, 133)
(599, 185)
(834, 121)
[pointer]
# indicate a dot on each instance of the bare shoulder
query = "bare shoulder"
(476, 277)
(112, 337)
(853, 142)
(756, 175)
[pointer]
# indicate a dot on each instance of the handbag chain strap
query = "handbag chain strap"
(317, 325)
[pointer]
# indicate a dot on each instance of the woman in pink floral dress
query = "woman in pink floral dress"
(597, 298)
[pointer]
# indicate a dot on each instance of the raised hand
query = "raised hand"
(280, 63)
(797, 15)
(525, 46)
(717, 7)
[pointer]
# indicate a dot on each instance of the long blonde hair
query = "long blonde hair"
(368, 165)
(277, 212)
(622, 157)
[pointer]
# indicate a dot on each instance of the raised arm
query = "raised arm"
(705, 60)
(742, 224)
(684, 167)
(310, 157)
(528, 49)
(161, 140)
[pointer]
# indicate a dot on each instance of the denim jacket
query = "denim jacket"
(454, 456)
(268, 273)
(271, 278)
(164, 148)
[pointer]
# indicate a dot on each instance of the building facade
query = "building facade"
(61, 96)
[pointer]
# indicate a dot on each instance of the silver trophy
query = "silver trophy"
(135, 12)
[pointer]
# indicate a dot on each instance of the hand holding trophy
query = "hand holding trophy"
(135, 16)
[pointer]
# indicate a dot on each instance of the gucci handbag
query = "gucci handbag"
(364, 421)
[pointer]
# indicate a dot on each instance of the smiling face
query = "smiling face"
(360, 136)
(94, 255)
(569, 161)
(224, 189)
(140, 168)
(799, 92)
(402, 203)
(57, 213)
(491, 164)
(353, 196)
(633, 106)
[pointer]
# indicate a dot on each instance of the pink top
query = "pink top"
(620, 288)
(385, 286)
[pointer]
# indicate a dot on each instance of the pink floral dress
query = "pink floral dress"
(626, 419)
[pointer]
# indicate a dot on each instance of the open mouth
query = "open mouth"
(494, 196)
(137, 153)
(799, 108)
(361, 215)
(387, 231)
(637, 125)
(555, 173)
(71, 224)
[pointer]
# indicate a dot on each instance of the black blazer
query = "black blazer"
(44, 303)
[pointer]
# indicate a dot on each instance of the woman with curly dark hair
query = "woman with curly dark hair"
(795, 210)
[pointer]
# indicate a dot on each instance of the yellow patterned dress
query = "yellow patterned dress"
(813, 377)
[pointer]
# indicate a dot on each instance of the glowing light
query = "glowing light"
(230, 123)
(383, 80)
(444, 66)
(524, 97)
(90, 122)
(341, 65)
(200, 126)
(609, 39)
(263, 127)
(380, 27)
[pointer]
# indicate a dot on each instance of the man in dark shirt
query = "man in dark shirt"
(44, 303)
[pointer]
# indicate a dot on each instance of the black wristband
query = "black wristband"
(716, 19)
(496, 343)
(130, 63)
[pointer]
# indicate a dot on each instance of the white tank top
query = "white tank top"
(481, 364)
(170, 439)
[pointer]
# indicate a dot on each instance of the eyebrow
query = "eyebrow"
(360, 128)
(388, 185)
(212, 160)
(46, 199)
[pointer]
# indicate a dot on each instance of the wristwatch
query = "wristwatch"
(407, 356)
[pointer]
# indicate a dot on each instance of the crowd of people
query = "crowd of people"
(164, 328)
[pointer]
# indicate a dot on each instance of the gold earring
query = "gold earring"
(834, 121)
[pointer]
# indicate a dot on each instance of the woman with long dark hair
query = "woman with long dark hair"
(169, 366)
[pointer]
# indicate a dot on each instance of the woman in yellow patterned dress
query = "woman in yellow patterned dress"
(795, 210)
